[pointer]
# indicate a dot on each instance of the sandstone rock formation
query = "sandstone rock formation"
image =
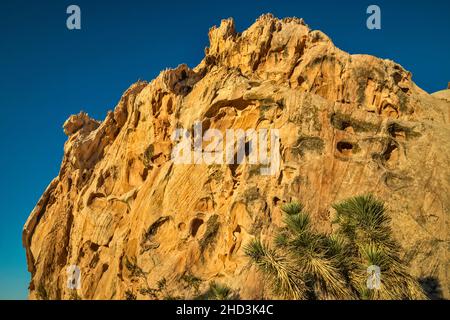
(131, 219)
(443, 94)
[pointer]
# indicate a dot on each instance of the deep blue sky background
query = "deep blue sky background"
(48, 72)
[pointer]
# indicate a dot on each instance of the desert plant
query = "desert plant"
(280, 269)
(308, 264)
(216, 291)
(292, 208)
(316, 261)
(364, 222)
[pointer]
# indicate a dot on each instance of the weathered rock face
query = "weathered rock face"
(128, 216)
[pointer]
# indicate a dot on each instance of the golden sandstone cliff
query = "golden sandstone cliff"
(131, 219)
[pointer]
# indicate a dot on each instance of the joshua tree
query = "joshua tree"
(304, 264)
(365, 226)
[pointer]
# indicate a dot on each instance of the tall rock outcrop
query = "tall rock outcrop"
(131, 219)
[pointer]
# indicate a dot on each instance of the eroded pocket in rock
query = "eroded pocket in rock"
(347, 148)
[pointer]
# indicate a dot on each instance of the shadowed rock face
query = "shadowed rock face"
(123, 212)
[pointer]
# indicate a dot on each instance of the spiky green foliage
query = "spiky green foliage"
(318, 264)
(219, 291)
(363, 220)
(307, 264)
(292, 208)
(364, 223)
(281, 270)
(298, 223)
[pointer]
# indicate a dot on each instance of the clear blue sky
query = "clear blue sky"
(48, 72)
